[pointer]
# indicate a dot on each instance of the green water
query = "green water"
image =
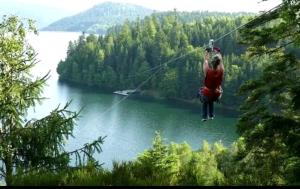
(130, 126)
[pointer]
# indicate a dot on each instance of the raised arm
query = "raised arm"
(205, 63)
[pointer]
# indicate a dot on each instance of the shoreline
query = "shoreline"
(154, 96)
(193, 103)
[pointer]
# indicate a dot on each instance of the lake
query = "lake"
(131, 125)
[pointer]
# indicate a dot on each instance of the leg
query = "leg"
(211, 109)
(204, 107)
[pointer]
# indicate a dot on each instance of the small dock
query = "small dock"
(125, 92)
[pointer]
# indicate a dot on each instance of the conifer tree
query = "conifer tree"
(35, 144)
(270, 124)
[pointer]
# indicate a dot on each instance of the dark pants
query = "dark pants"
(207, 107)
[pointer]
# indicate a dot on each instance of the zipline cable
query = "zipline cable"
(159, 67)
(223, 36)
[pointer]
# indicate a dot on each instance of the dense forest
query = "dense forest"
(99, 18)
(267, 152)
(128, 54)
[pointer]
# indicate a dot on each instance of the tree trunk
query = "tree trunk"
(9, 170)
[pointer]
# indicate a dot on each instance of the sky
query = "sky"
(163, 5)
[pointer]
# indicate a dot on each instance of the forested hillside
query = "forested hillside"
(267, 152)
(129, 54)
(99, 18)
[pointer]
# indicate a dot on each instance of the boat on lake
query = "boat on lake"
(126, 92)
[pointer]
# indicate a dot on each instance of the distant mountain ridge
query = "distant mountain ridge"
(43, 15)
(99, 18)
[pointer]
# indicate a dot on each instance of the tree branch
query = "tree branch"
(100, 140)
(281, 46)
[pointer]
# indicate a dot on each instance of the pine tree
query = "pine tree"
(35, 144)
(270, 124)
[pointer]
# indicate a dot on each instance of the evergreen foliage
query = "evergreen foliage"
(34, 144)
(270, 122)
(174, 164)
(130, 53)
(171, 165)
(267, 153)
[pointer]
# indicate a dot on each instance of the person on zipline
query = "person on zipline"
(212, 90)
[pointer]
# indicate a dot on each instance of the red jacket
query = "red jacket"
(212, 83)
